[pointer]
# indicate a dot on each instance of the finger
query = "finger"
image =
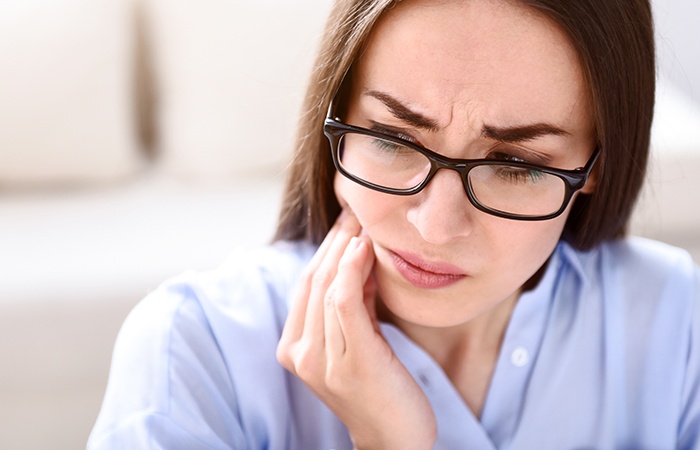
(338, 292)
(353, 271)
(368, 266)
(370, 288)
(295, 320)
(324, 276)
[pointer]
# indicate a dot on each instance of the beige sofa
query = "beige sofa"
(138, 139)
(141, 138)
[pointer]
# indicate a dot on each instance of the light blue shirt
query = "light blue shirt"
(603, 354)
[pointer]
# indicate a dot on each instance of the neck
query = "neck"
(467, 352)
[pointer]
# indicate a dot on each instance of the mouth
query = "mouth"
(426, 274)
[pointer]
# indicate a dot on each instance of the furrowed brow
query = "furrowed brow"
(403, 112)
(522, 133)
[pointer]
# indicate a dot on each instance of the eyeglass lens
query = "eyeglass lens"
(504, 188)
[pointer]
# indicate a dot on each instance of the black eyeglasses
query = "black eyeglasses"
(509, 189)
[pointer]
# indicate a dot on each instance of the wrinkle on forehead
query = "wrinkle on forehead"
(506, 66)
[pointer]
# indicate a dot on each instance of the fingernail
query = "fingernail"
(354, 243)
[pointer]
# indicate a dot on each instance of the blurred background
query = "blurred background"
(141, 138)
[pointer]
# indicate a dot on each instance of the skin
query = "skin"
(465, 67)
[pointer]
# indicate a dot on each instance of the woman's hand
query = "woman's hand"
(332, 342)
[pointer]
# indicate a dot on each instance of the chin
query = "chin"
(399, 302)
(403, 313)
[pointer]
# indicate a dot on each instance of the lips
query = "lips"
(426, 274)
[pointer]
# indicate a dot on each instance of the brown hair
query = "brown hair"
(615, 43)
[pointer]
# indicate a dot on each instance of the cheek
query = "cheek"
(536, 237)
(370, 207)
(527, 245)
(498, 246)
(343, 190)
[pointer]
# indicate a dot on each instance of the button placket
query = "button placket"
(519, 350)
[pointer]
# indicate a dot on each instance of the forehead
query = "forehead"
(501, 57)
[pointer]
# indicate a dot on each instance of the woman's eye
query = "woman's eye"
(519, 175)
(515, 174)
(387, 146)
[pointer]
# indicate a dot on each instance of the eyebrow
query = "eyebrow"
(522, 133)
(512, 135)
(403, 112)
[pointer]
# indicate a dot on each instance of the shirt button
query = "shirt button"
(519, 357)
(424, 380)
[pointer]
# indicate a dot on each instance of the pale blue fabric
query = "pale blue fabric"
(603, 354)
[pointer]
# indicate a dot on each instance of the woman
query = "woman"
(477, 289)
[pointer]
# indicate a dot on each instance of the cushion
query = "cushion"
(66, 108)
(229, 77)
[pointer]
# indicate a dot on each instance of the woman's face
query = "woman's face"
(440, 74)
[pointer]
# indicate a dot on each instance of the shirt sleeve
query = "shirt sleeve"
(689, 429)
(168, 386)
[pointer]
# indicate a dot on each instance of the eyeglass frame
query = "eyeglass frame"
(334, 129)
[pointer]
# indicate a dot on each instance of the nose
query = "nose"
(442, 212)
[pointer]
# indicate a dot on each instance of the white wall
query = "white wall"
(678, 43)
